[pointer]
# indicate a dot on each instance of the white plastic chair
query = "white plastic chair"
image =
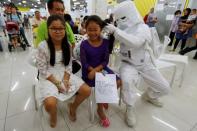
(174, 59)
(39, 106)
(170, 57)
(76, 50)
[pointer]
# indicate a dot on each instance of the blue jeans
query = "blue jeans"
(22, 32)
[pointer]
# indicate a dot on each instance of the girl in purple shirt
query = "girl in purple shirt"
(94, 53)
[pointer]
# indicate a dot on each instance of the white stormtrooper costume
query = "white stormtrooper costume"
(135, 37)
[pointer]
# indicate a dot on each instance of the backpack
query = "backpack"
(145, 18)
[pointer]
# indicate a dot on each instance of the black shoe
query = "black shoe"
(28, 45)
(181, 52)
(195, 57)
(169, 44)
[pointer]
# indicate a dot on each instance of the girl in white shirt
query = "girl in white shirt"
(55, 66)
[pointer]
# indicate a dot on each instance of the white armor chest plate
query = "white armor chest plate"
(133, 55)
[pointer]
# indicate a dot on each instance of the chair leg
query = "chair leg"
(41, 114)
(120, 97)
(34, 94)
(173, 77)
(91, 102)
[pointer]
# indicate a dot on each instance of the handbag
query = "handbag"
(106, 88)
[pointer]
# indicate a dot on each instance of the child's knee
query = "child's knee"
(50, 104)
(85, 90)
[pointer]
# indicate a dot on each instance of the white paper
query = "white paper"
(106, 88)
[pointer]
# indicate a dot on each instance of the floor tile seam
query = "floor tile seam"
(191, 98)
(85, 129)
(23, 88)
(64, 118)
(19, 113)
(193, 127)
(179, 118)
(11, 77)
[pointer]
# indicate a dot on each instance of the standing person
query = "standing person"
(54, 64)
(37, 20)
(15, 16)
(152, 18)
(194, 32)
(135, 37)
(94, 53)
(2, 24)
(182, 32)
(174, 26)
(26, 21)
(82, 29)
(73, 26)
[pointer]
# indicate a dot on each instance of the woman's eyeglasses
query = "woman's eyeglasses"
(57, 30)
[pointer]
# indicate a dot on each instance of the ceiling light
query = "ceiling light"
(19, 3)
(74, 0)
(35, 6)
(39, 2)
(76, 3)
(24, 2)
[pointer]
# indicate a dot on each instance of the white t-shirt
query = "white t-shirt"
(36, 21)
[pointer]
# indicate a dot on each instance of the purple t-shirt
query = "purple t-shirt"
(94, 56)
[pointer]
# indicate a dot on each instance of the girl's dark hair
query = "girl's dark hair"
(188, 11)
(85, 18)
(65, 45)
(97, 20)
(102, 24)
(67, 17)
(177, 11)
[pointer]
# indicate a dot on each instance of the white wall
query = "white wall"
(67, 5)
(193, 4)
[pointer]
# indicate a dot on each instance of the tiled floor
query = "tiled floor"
(17, 112)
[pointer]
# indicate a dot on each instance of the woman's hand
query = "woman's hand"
(66, 76)
(66, 84)
(61, 89)
(60, 86)
(91, 75)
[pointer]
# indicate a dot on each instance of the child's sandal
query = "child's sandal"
(105, 122)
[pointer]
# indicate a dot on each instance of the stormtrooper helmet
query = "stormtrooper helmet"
(126, 15)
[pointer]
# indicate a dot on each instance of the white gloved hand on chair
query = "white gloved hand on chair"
(111, 28)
